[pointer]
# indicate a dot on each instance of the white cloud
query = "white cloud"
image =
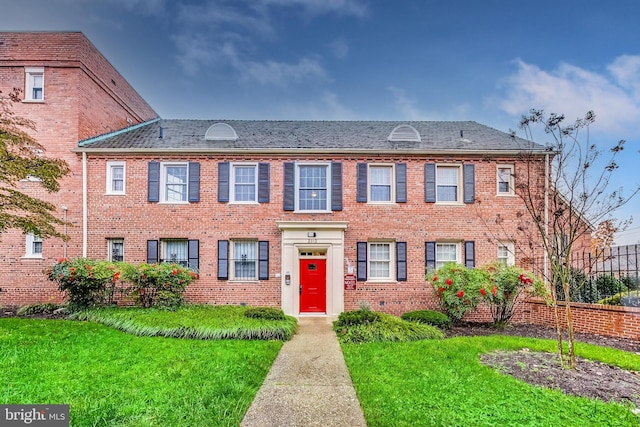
(326, 107)
(356, 8)
(339, 48)
(281, 73)
(405, 105)
(573, 91)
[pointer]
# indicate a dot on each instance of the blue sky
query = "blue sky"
(488, 61)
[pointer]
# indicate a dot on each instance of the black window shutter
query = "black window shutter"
(194, 182)
(289, 187)
(430, 254)
(223, 182)
(152, 251)
(401, 261)
(361, 193)
(263, 183)
(430, 182)
(336, 186)
(193, 252)
(153, 182)
(362, 261)
(263, 260)
(223, 259)
(470, 254)
(401, 183)
(469, 183)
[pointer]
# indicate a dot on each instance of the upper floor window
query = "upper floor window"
(505, 177)
(312, 187)
(244, 182)
(173, 182)
(115, 249)
(115, 177)
(449, 184)
(34, 84)
(380, 183)
(506, 253)
(33, 246)
(313, 184)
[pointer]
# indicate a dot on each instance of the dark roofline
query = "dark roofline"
(89, 141)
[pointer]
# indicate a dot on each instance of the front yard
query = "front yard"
(111, 378)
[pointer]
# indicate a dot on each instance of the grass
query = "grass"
(192, 321)
(442, 383)
(110, 378)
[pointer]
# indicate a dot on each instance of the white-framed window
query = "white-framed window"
(447, 252)
(174, 181)
(34, 84)
(33, 246)
(506, 253)
(115, 249)
(313, 184)
(116, 174)
(381, 183)
(448, 184)
(504, 179)
(244, 183)
(381, 260)
(175, 251)
(244, 262)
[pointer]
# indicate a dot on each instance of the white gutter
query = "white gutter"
(84, 205)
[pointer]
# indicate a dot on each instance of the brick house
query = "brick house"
(275, 213)
(278, 212)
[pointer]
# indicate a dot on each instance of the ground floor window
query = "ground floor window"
(115, 249)
(244, 259)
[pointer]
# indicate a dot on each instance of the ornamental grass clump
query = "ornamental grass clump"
(429, 317)
(457, 289)
(364, 325)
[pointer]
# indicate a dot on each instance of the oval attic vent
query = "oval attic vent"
(404, 133)
(221, 132)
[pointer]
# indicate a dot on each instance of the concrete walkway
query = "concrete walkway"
(308, 384)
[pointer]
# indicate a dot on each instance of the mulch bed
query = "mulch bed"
(590, 378)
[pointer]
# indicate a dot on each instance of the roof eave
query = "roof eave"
(303, 151)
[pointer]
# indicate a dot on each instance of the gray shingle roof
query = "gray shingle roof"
(341, 136)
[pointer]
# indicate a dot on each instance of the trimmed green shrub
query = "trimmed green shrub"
(41, 308)
(264, 313)
(429, 317)
(385, 328)
(627, 299)
(457, 289)
(357, 317)
(157, 285)
(86, 282)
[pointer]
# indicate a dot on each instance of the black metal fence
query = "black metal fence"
(609, 276)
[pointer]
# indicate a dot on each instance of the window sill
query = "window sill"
(244, 203)
(115, 194)
(252, 281)
(312, 212)
(174, 203)
(505, 195)
(33, 101)
(450, 203)
(386, 203)
(34, 257)
(382, 281)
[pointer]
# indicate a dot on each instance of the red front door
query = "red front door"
(313, 285)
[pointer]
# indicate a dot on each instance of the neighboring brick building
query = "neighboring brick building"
(72, 93)
(270, 213)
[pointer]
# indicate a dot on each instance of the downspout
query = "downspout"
(546, 214)
(84, 205)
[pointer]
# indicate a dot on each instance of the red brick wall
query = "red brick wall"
(589, 318)
(80, 101)
(131, 217)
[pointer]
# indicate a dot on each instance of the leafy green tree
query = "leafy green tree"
(21, 157)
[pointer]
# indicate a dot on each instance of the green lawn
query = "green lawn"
(110, 378)
(442, 383)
